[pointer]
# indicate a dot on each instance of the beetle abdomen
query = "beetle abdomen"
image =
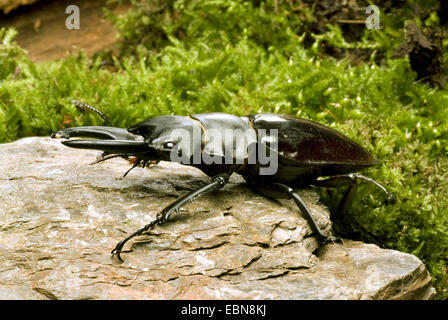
(310, 144)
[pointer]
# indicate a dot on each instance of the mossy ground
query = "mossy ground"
(244, 57)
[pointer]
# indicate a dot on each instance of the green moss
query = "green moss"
(244, 57)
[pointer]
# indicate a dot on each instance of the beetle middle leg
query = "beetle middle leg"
(280, 190)
(217, 183)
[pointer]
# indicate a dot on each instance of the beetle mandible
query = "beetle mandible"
(307, 154)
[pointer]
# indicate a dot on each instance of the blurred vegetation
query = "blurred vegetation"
(242, 57)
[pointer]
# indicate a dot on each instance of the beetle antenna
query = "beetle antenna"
(135, 165)
(104, 158)
(83, 105)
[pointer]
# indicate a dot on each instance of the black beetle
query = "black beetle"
(304, 152)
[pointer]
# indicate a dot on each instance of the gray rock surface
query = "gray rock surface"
(60, 217)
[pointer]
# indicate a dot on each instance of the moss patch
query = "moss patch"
(243, 57)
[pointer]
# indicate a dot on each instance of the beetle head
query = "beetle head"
(164, 133)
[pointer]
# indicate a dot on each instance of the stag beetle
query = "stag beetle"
(306, 153)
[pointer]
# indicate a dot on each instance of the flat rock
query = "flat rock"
(60, 217)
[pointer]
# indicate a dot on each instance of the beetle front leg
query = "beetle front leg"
(217, 183)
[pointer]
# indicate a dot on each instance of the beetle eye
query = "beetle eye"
(168, 145)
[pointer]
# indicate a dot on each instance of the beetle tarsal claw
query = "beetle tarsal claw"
(119, 247)
(117, 250)
(391, 198)
(332, 240)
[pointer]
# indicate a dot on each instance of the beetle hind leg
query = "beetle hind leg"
(351, 180)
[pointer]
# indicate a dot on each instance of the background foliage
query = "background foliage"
(242, 57)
